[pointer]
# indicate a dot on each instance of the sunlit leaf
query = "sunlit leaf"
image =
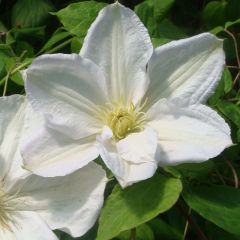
(128, 208)
(77, 17)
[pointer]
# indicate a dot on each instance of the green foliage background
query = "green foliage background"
(189, 201)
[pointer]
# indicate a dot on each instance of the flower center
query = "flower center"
(124, 119)
(5, 209)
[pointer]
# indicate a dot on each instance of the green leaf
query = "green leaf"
(159, 41)
(224, 86)
(230, 24)
(143, 232)
(229, 48)
(166, 29)
(76, 44)
(24, 48)
(137, 204)
(9, 38)
(233, 9)
(238, 135)
(145, 12)
(218, 204)
(36, 32)
(214, 14)
(30, 13)
(57, 37)
(10, 62)
(77, 17)
(228, 82)
(17, 78)
(217, 30)
(191, 170)
(161, 8)
(230, 110)
(214, 232)
(163, 230)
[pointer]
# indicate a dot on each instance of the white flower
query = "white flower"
(30, 206)
(137, 107)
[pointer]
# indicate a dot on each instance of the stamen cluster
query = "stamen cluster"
(5, 209)
(124, 119)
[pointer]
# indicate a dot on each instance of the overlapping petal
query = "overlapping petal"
(49, 153)
(188, 134)
(67, 89)
(119, 43)
(71, 203)
(187, 69)
(132, 159)
(28, 226)
(12, 114)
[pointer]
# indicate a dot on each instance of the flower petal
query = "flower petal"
(49, 153)
(67, 89)
(12, 114)
(188, 134)
(131, 159)
(28, 226)
(71, 203)
(119, 43)
(139, 147)
(188, 69)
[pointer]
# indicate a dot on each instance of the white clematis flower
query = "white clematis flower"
(137, 107)
(30, 206)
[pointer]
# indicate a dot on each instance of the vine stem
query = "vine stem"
(196, 228)
(236, 78)
(60, 46)
(11, 73)
(235, 45)
(5, 84)
(234, 67)
(186, 226)
(235, 176)
(133, 234)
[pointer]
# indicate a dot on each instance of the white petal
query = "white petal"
(71, 203)
(49, 153)
(27, 226)
(138, 147)
(119, 43)
(128, 162)
(67, 89)
(188, 134)
(12, 114)
(188, 69)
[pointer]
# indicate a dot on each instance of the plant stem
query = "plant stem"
(234, 67)
(235, 45)
(60, 46)
(133, 234)
(186, 226)
(219, 175)
(235, 176)
(195, 227)
(5, 84)
(236, 78)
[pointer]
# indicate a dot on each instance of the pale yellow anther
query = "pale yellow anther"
(5, 209)
(123, 119)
